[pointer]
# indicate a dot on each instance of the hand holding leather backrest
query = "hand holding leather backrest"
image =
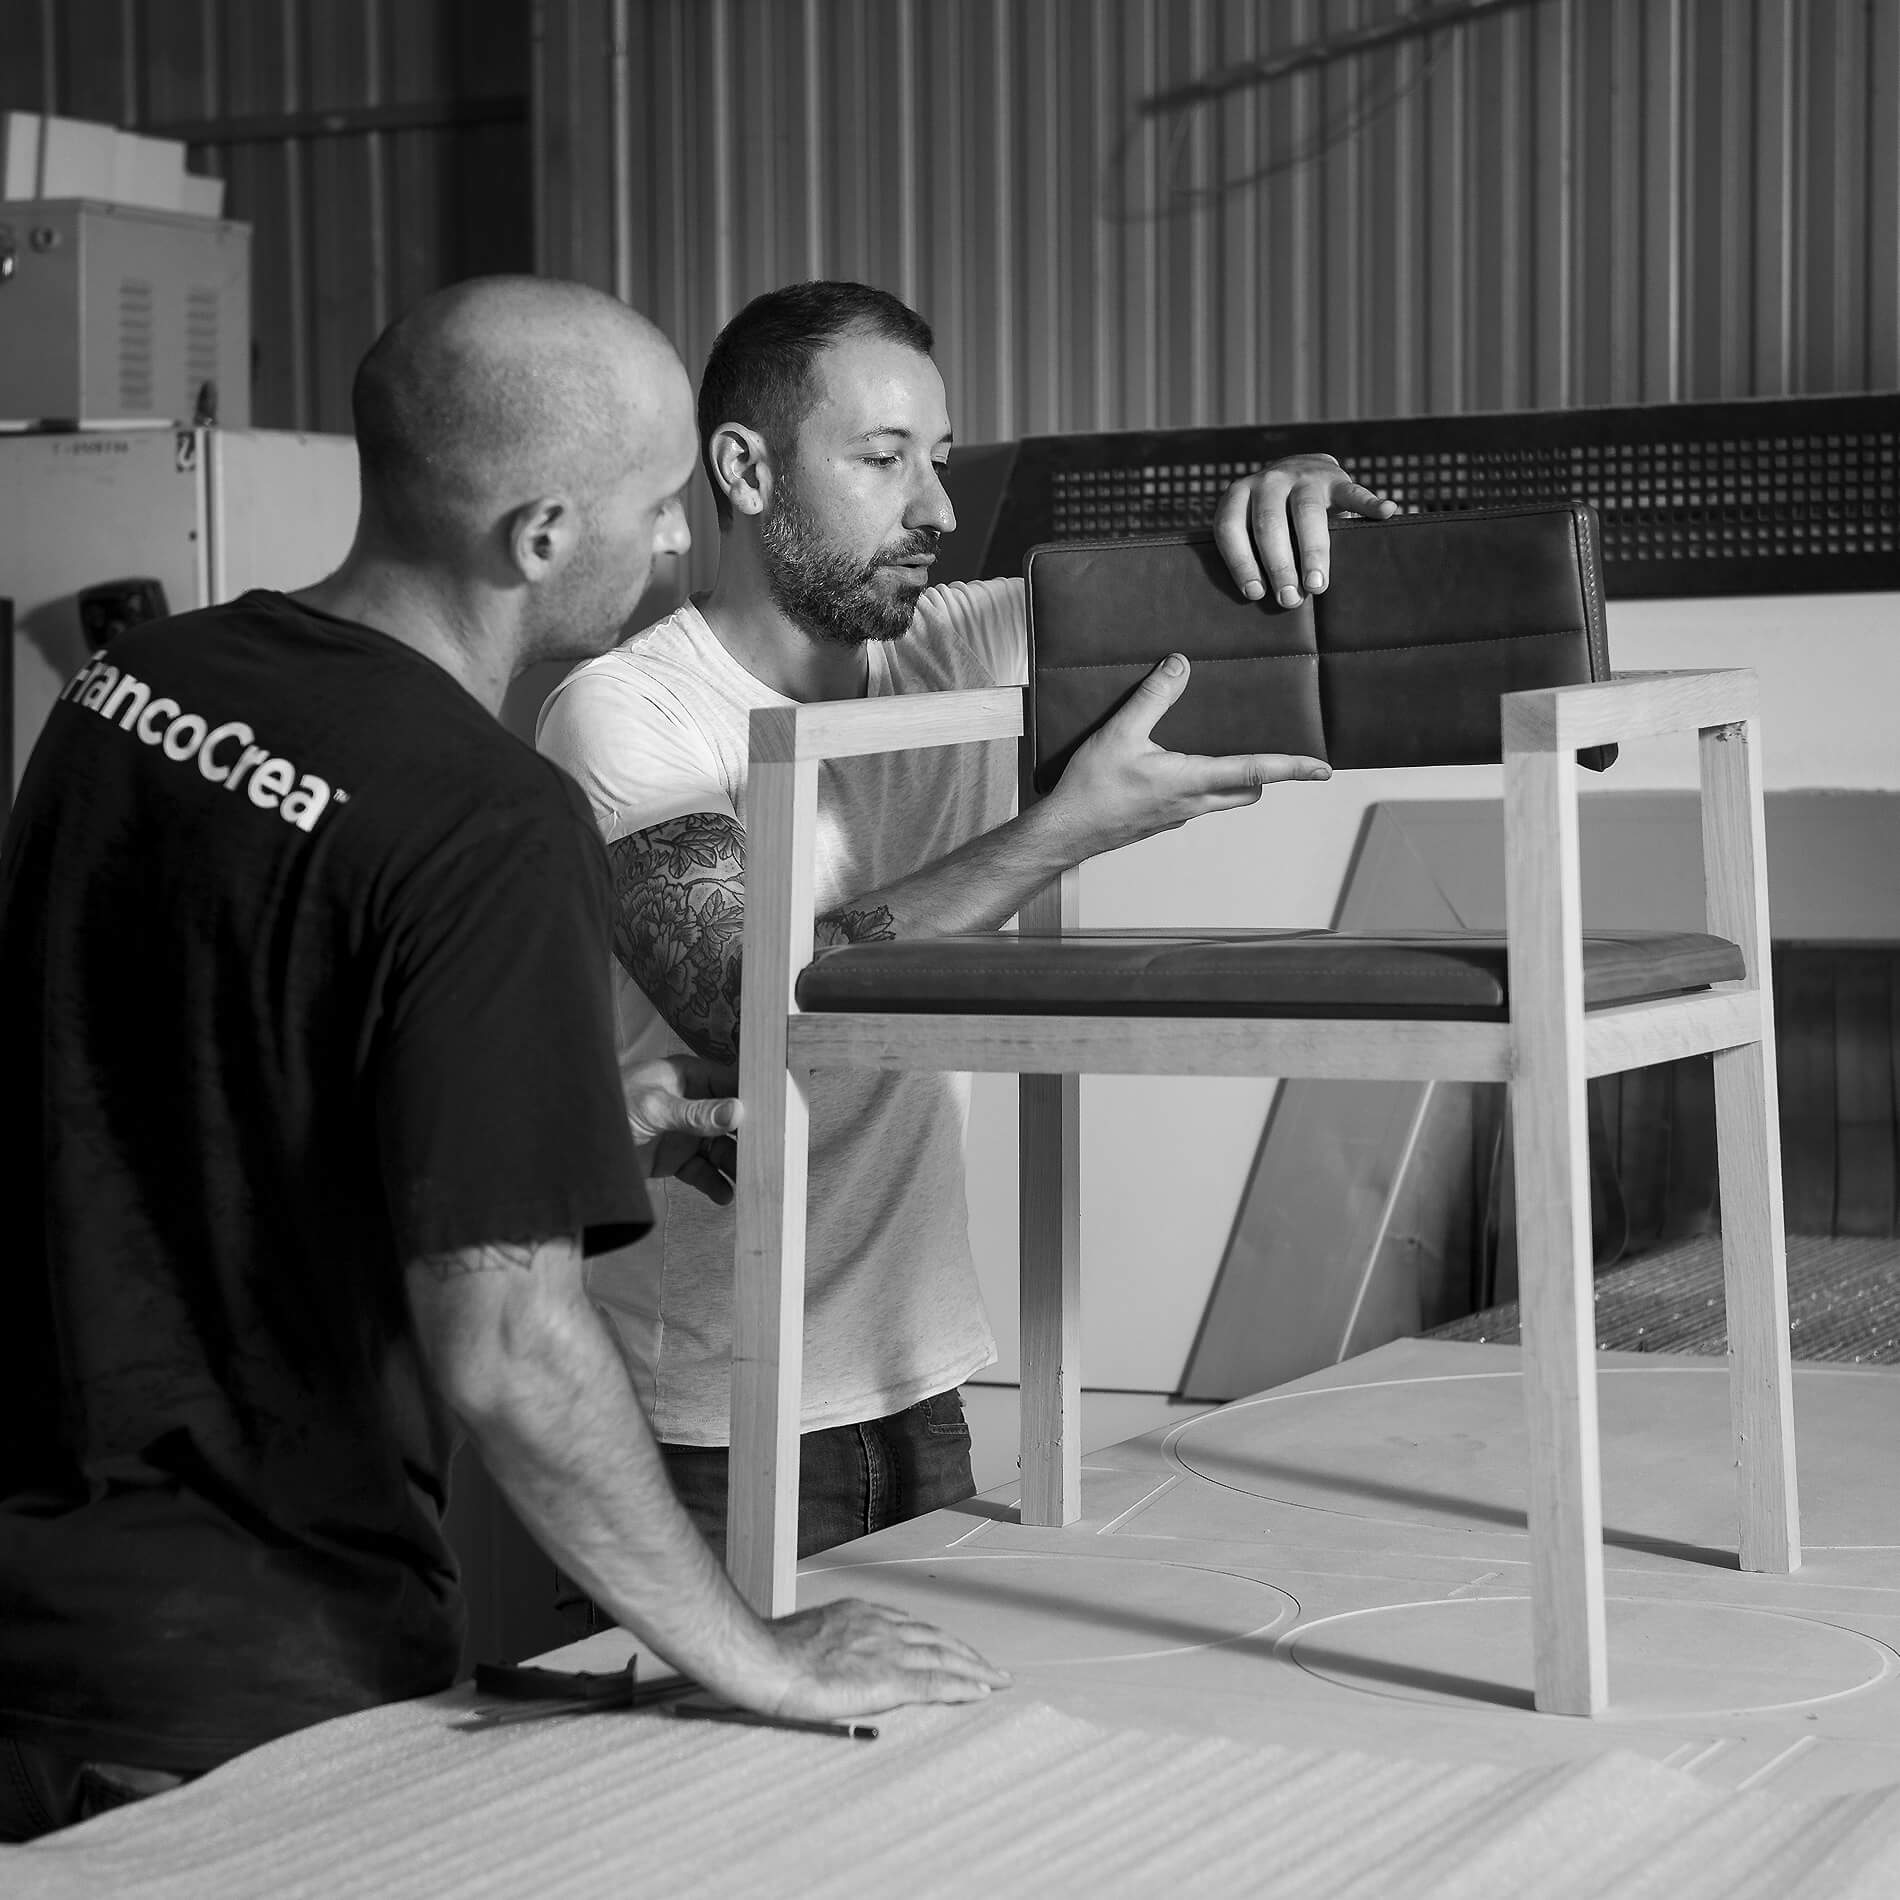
(1428, 620)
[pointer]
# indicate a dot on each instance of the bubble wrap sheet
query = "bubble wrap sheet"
(1006, 1798)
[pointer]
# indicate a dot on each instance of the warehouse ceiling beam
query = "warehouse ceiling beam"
(421, 115)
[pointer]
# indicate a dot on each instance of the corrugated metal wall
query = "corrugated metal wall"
(378, 148)
(1552, 203)
(1567, 202)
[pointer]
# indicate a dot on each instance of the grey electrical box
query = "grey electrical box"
(110, 313)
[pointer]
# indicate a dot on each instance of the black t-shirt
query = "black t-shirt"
(303, 973)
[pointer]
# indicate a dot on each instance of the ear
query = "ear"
(742, 466)
(541, 535)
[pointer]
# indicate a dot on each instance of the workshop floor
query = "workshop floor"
(995, 1416)
(1341, 1562)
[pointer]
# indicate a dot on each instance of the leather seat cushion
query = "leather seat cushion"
(1455, 975)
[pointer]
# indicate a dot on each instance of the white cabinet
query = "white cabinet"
(207, 513)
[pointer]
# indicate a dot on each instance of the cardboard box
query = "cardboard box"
(77, 159)
(201, 197)
(51, 157)
(147, 172)
(19, 154)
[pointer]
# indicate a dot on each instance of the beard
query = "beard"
(827, 593)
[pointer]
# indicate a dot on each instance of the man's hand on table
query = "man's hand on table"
(1277, 517)
(683, 1111)
(854, 1658)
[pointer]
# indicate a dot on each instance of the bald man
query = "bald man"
(306, 1052)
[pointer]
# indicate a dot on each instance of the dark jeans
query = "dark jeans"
(852, 1479)
(42, 1790)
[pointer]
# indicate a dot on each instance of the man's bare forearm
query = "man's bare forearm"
(681, 884)
(680, 910)
(522, 1358)
(553, 1414)
(978, 886)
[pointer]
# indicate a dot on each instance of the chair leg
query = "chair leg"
(1748, 1145)
(768, 1268)
(1755, 1284)
(1555, 1292)
(768, 1344)
(1556, 1303)
(1050, 1184)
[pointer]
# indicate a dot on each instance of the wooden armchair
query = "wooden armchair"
(1543, 1008)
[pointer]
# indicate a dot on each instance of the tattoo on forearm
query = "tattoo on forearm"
(851, 925)
(679, 924)
(498, 1256)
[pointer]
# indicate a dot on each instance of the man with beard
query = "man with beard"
(824, 431)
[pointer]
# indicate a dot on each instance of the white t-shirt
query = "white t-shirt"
(658, 728)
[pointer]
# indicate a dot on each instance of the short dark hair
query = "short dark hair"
(760, 369)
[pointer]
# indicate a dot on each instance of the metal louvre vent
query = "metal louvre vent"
(1710, 498)
(201, 336)
(135, 345)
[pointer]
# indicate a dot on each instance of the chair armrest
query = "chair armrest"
(901, 722)
(1629, 706)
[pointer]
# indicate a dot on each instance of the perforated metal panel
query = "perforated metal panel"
(1703, 498)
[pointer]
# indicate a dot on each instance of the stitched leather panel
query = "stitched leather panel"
(1126, 594)
(1451, 714)
(1262, 703)
(1452, 974)
(1427, 621)
(1443, 579)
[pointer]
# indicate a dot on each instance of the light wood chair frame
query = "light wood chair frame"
(1547, 1051)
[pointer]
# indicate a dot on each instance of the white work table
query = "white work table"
(1285, 1651)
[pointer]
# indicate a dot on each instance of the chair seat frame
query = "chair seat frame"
(1547, 1051)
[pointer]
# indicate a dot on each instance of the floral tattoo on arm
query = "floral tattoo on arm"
(679, 924)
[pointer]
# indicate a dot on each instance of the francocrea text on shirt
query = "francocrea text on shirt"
(227, 754)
